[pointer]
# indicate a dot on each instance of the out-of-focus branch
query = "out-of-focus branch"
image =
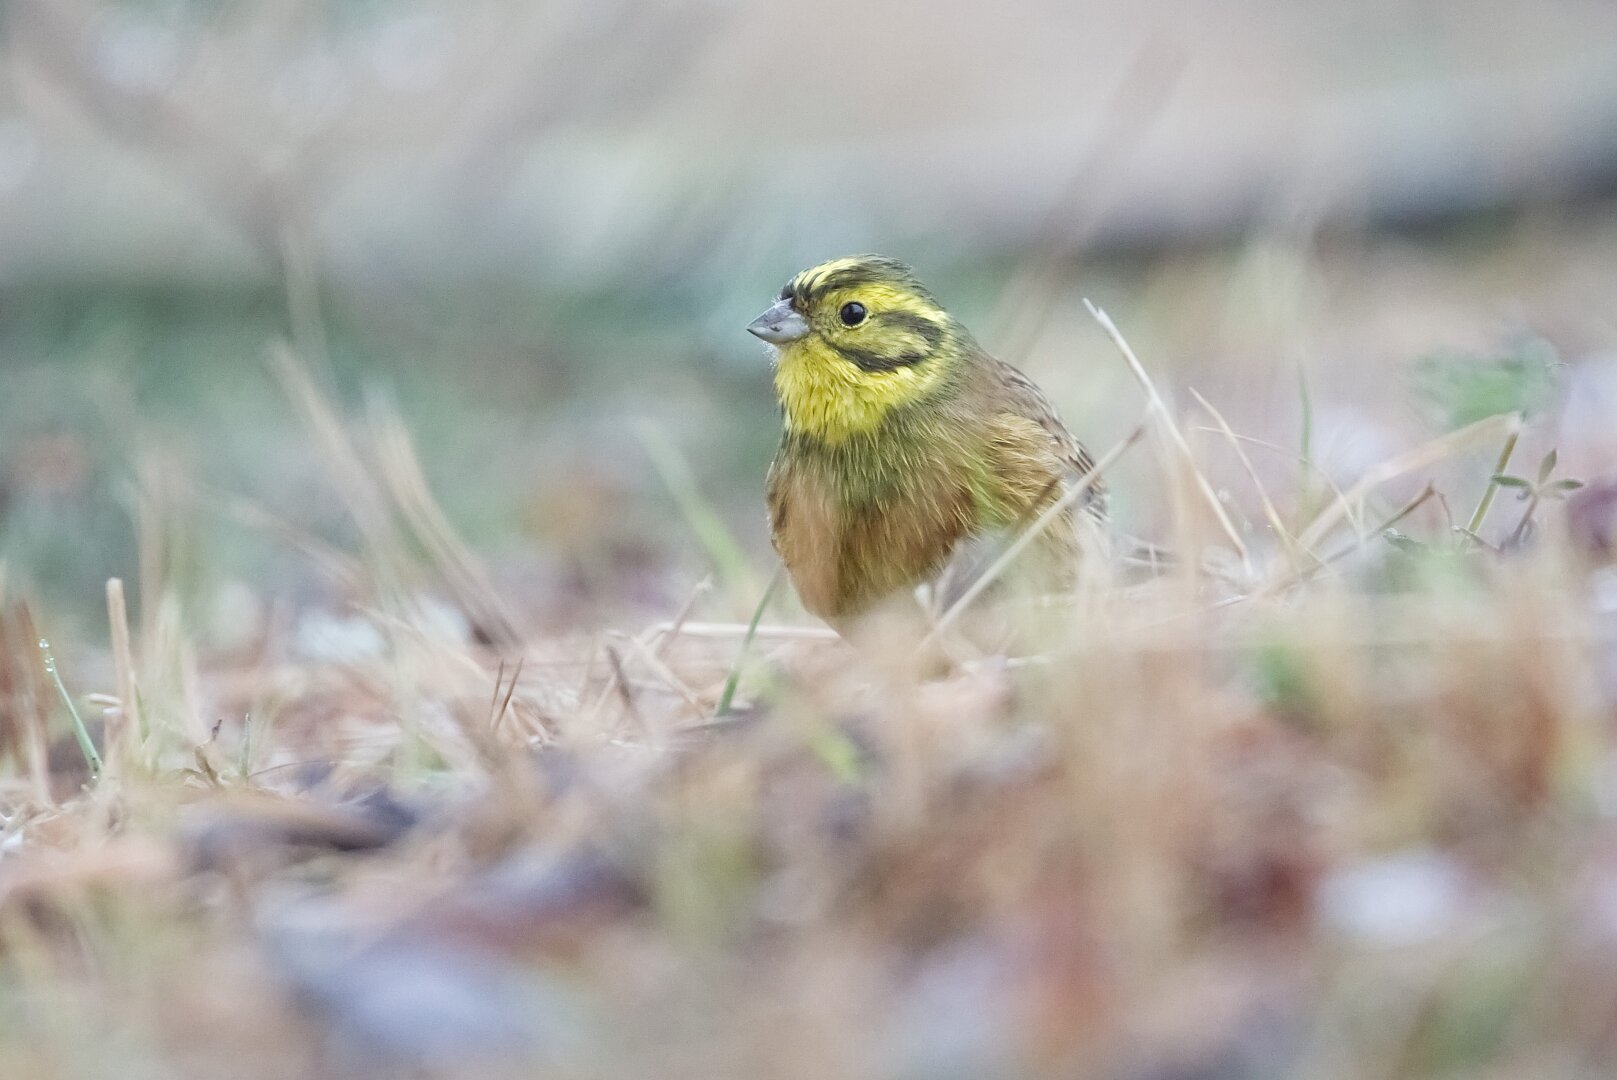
(50, 35)
(611, 57)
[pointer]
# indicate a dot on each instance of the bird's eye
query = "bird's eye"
(852, 314)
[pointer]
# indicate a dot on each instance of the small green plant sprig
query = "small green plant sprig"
(1534, 493)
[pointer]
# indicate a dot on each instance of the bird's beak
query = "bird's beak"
(780, 324)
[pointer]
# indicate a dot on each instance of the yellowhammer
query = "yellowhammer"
(903, 440)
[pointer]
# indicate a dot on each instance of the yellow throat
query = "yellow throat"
(825, 396)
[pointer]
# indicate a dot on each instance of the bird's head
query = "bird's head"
(855, 339)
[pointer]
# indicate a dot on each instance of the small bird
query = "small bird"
(904, 441)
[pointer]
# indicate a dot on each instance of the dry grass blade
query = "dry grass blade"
(403, 489)
(624, 690)
(340, 568)
(617, 676)
(123, 665)
(1426, 493)
(1290, 455)
(1303, 574)
(726, 630)
(155, 512)
(1066, 502)
(665, 675)
(492, 754)
(23, 713)
(500, 706)
(1170, 430)
(348, 471)
(1422, 456)
(729, 559)
(1287, 542)
(406, 481)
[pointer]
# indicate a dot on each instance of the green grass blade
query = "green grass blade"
(1474, 527)
(728, 559)
(80, 732)
(729, 692)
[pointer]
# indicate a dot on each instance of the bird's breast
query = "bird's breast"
(852, 532)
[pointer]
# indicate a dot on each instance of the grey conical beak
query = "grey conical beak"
(780, 324)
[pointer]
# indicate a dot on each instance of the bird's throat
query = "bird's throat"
(826, 397)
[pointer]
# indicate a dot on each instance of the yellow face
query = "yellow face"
(855, 338)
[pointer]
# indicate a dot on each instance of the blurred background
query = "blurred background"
(537, 230)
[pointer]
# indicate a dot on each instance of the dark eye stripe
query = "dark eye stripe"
(869, 360)
(922, 327)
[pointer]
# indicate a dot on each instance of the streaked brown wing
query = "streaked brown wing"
(1024, 398)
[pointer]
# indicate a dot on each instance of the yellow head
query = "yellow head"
(855, 339)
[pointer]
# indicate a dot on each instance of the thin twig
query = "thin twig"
(617, 681)
(625, 692)
(665, 674)
(666, 637)
(1304, 574)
